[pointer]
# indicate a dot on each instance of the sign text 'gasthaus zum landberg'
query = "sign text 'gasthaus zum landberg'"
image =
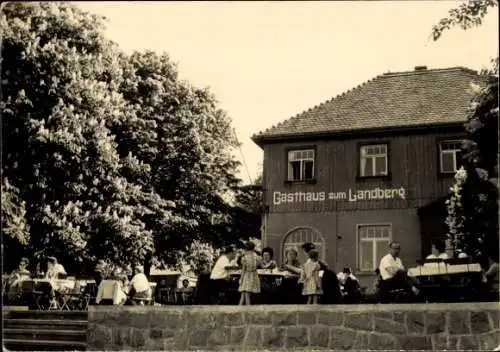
(351, 195)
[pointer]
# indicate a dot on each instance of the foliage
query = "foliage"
(473, 205)
(469, 14)
(108, 156)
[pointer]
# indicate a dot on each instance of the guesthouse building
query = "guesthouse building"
(367, 167)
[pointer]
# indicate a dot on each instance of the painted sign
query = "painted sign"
(351, 195)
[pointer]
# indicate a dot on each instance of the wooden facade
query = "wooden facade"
(327, 208)
(413, 166)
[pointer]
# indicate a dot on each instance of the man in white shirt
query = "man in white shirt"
(140, 284)
(220, 274)
(393, 272)
(54, 269)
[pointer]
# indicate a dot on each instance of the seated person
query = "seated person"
(54, 269)
(291, 263)
(267, 259)
(438, 250)
(16, 277)
(221, 272)
(186, 291)
(493, 272)
(393, 272)
(346, 274)
(139, 285)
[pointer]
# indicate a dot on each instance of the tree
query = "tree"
(106, 156)
(187, 143)
(473, 205)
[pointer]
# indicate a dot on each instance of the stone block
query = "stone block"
(296, 336)
(307, 318)
(319, 335)
(440, 341)
(137, 320)
(342, 339)
(273, 337)
(385, 325)
(359, 321)
(237, 335)
(459, 323)
(122, 336)
(466, 343)
(479, 322)
(233, 319)
(219, 337)
(198, 337)
(414, 342)
(167, 320)
(253, 337)
(158, 333)
(259, 318)
(202, 320)
(331, 319)
(494, 318)
(489, 341)
(285, 319)
(436, 322)
(99, 336)
(384, 342)
(399, 317)
(362, 341)
(180, 340)
(139, 338)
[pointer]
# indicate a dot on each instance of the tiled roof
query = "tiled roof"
(415, 98)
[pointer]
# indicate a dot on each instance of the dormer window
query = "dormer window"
(301, 165)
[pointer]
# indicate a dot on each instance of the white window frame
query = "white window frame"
(316, 238)
(292, 156)
(449, 151)
(373, 240)
(363, 150)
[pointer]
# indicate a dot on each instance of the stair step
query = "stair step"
(47, 315)
(45, 334)
(43, 345)
(46, 324)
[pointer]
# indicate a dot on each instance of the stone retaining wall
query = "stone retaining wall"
(459, 326)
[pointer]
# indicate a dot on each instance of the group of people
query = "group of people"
(317, 280)
(136, 291)
(54, 271)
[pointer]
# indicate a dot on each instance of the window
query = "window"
(373, 160)
(301, 165)
(450, 156)
(296, 238)
(373, 245)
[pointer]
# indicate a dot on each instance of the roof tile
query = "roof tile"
(414, 98)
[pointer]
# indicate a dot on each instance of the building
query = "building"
(369, 166)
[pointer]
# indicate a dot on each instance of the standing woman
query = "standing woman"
(249, 280)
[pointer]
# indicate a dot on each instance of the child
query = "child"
(310, 278)
(249, 280)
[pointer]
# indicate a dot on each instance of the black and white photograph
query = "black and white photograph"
(250, 175)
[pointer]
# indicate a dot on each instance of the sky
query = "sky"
(268, 61)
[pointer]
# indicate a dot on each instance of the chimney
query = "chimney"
(420, 68)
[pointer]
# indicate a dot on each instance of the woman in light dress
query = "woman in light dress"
(249, 280)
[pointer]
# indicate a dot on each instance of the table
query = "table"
(442, 282)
